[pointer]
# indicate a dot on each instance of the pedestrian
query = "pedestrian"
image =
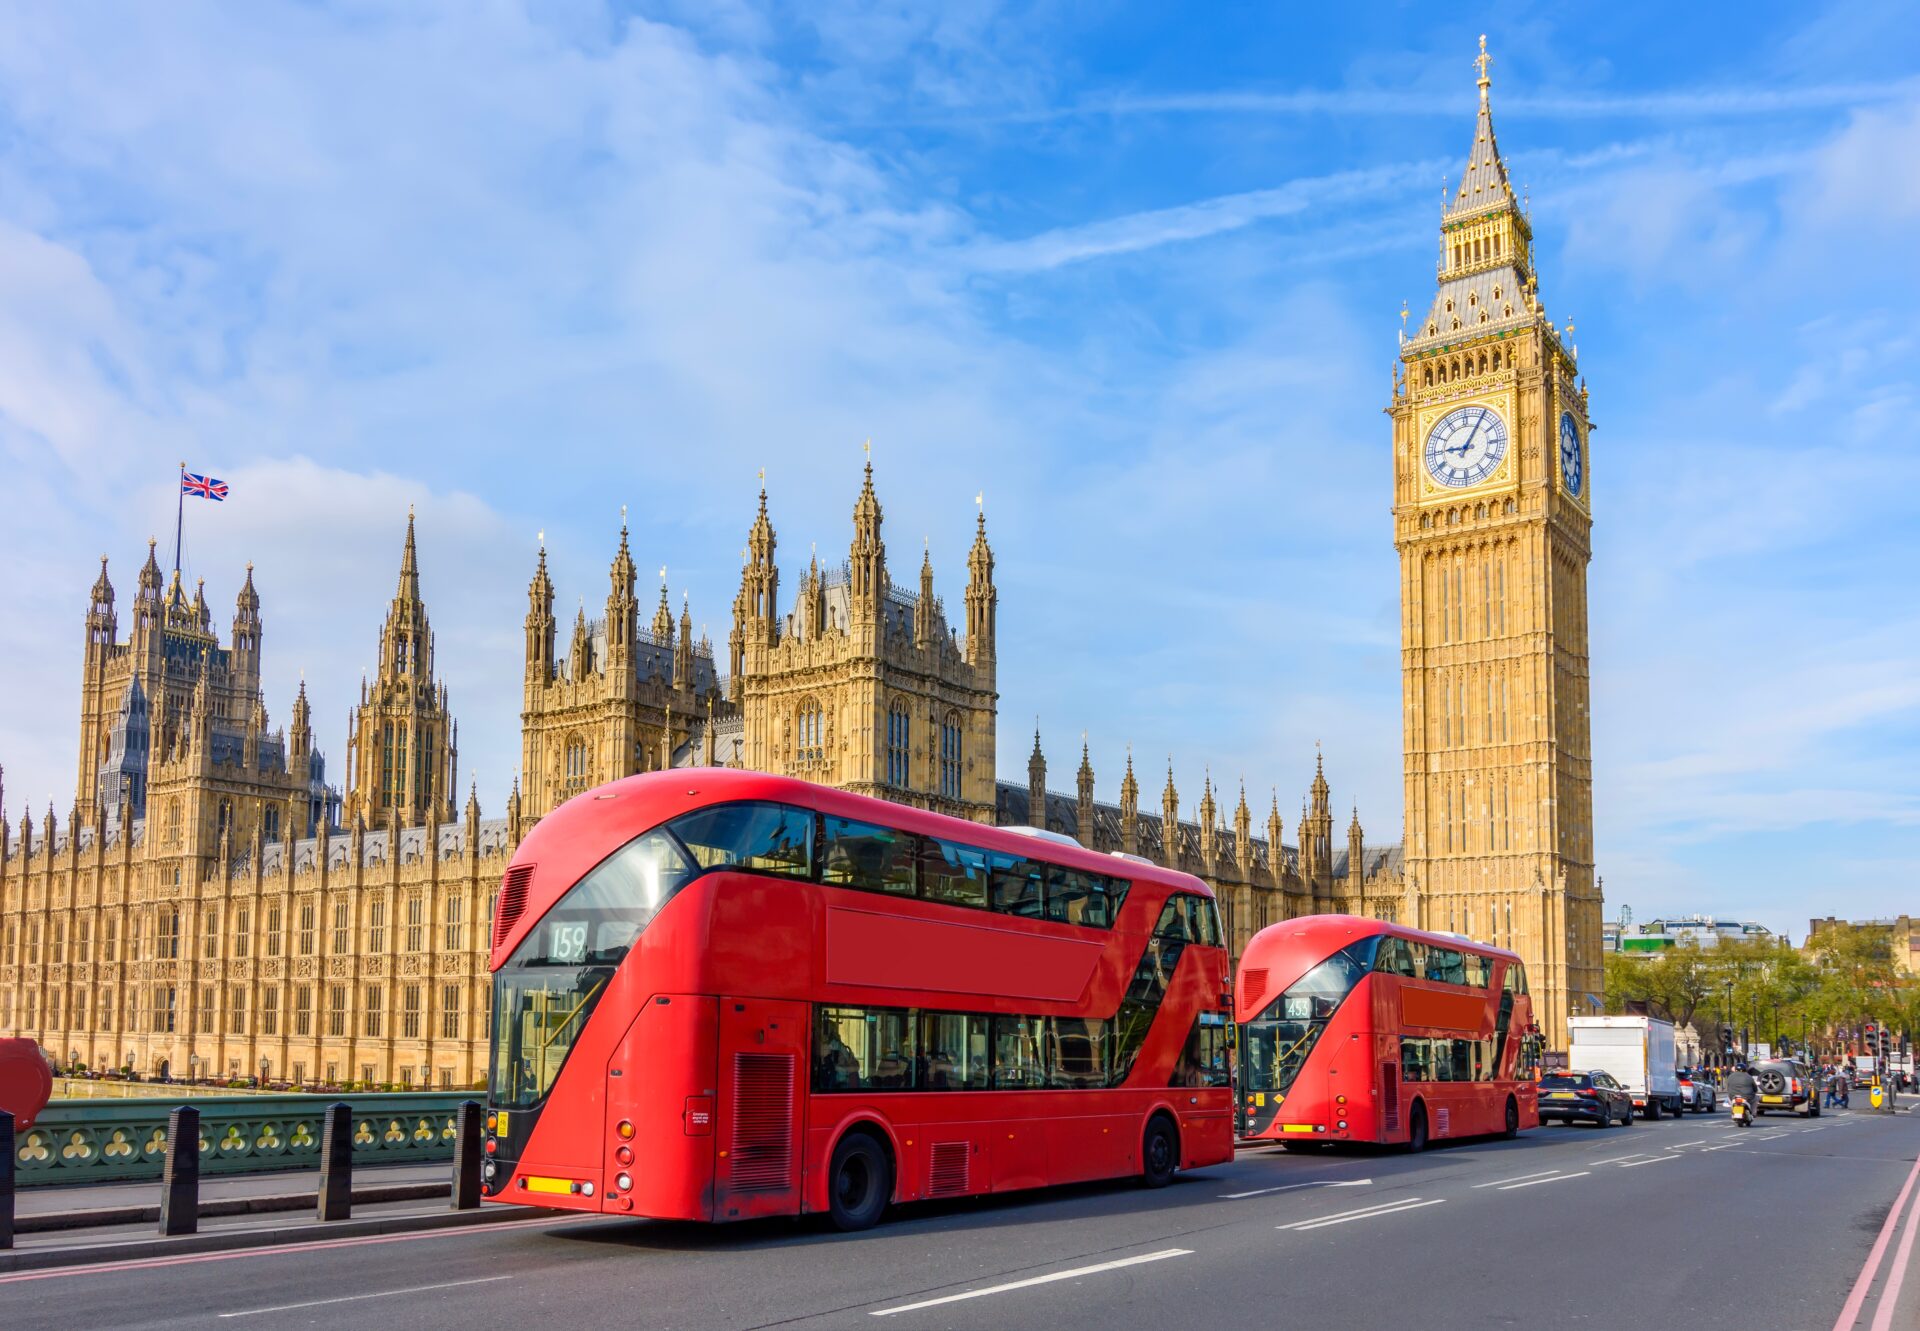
(1846, 1091)
(1832, 1100)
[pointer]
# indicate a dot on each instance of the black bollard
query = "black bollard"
(6, 1179)
(466, 1156)
(180, 1185)
(336, 1164)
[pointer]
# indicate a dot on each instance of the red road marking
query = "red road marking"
(272, 1250)
(1896, 1274)
(1850, 1311)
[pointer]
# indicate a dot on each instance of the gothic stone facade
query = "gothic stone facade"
(860, 684)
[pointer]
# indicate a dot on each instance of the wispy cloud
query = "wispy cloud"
(1195, 221)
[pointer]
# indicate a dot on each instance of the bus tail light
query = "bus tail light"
(625, 1130)
(624, 1154)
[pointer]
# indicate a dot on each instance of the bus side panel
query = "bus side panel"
(758, 1118)
(661, 1080)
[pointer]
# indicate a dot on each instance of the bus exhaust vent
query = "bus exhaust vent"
(1390, 1096)
(950, 1173)
(762, 1122)
(513, 900)
(1254, 987)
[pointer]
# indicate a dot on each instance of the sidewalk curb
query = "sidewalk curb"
(94, 1218)
(93, 1254)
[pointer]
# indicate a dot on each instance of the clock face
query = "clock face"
(1466, 446)
(1572, 462)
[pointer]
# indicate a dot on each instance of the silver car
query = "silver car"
(1697, 1092)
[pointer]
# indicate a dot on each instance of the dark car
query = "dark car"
(1788, 1084)
(1588, 1097)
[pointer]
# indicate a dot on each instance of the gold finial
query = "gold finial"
(623, 517)
(409, 512)
(663, 575)
(867, 448)
(763, 478)
(1403, 314)
(980, 500)
(1483, 60)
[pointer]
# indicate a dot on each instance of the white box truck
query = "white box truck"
(1637, 1052)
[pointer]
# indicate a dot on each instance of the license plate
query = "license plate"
(1560, 1095)
(1773, 1099)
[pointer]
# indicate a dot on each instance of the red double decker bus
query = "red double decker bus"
(720, 995)
(1358, 1030)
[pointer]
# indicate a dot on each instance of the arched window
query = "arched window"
(576, 762)
(950, 756)
(899, 745)
(809, 744)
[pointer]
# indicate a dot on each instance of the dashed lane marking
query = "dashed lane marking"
(1655, 1160)
(356, 1298)
(1364, 1213)
(1031, 1281)
(1290, 1187)
(1556, 1178)
(1503, 1182)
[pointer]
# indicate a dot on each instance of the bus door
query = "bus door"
(763, 1075)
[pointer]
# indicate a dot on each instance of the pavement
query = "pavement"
(1694, 1222)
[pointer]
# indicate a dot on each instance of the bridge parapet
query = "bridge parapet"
(109, 1141)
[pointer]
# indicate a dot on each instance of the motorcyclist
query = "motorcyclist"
(1740, 1083)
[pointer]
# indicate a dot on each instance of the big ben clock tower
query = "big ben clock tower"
(1493, 525)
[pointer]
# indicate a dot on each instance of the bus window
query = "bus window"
(1078, 898)
(1079, 1052)
(761, 838)
(954, 874)
(1017, 1059)
(1478, 970)
(874, 859)
(953, 1052)
(1203, 920)
(860, 1049)
(1017, 886)
(1395, 957)
(1445, 965)
(1204, 1060)
(1516, 981)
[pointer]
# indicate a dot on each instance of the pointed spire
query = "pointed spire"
(246, 604)
(663, 615)
(1485, 183)
(103, 586)
(150, 574)
(409, 589)
(1036, 782)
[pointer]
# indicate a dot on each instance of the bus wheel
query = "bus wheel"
(859, 1182)
(1159, 1152)
(1511, 1128)
(1417, 1130)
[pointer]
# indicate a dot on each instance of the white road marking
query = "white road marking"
(1557, 1178)
(1364, 1213)
(355, 1298)
(1289, 1187)
(1616, 1159)
(1031, 1281)
(1770, 1136)
(1656, 1160)
(1725, 1146)
(1501, 1182)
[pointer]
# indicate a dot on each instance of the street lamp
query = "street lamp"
(193, 1068)
(265, 1064)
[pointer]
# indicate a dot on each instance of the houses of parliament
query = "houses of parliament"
(212, 905)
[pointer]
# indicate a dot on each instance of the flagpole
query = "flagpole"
(179, 514)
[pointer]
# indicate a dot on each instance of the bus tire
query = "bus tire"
(1511, 1127)
(859, 1181)
(1417, 1128)
(1159, 1151)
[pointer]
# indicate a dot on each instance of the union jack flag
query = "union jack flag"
(204, 486)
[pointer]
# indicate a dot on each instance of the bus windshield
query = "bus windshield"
(1280, 1038)
(544, 993)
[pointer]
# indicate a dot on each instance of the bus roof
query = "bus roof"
(1310, 939)
(592, 825)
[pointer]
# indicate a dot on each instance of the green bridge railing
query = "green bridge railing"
(108, 1141)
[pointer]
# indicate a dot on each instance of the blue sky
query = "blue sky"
(1135, 276)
